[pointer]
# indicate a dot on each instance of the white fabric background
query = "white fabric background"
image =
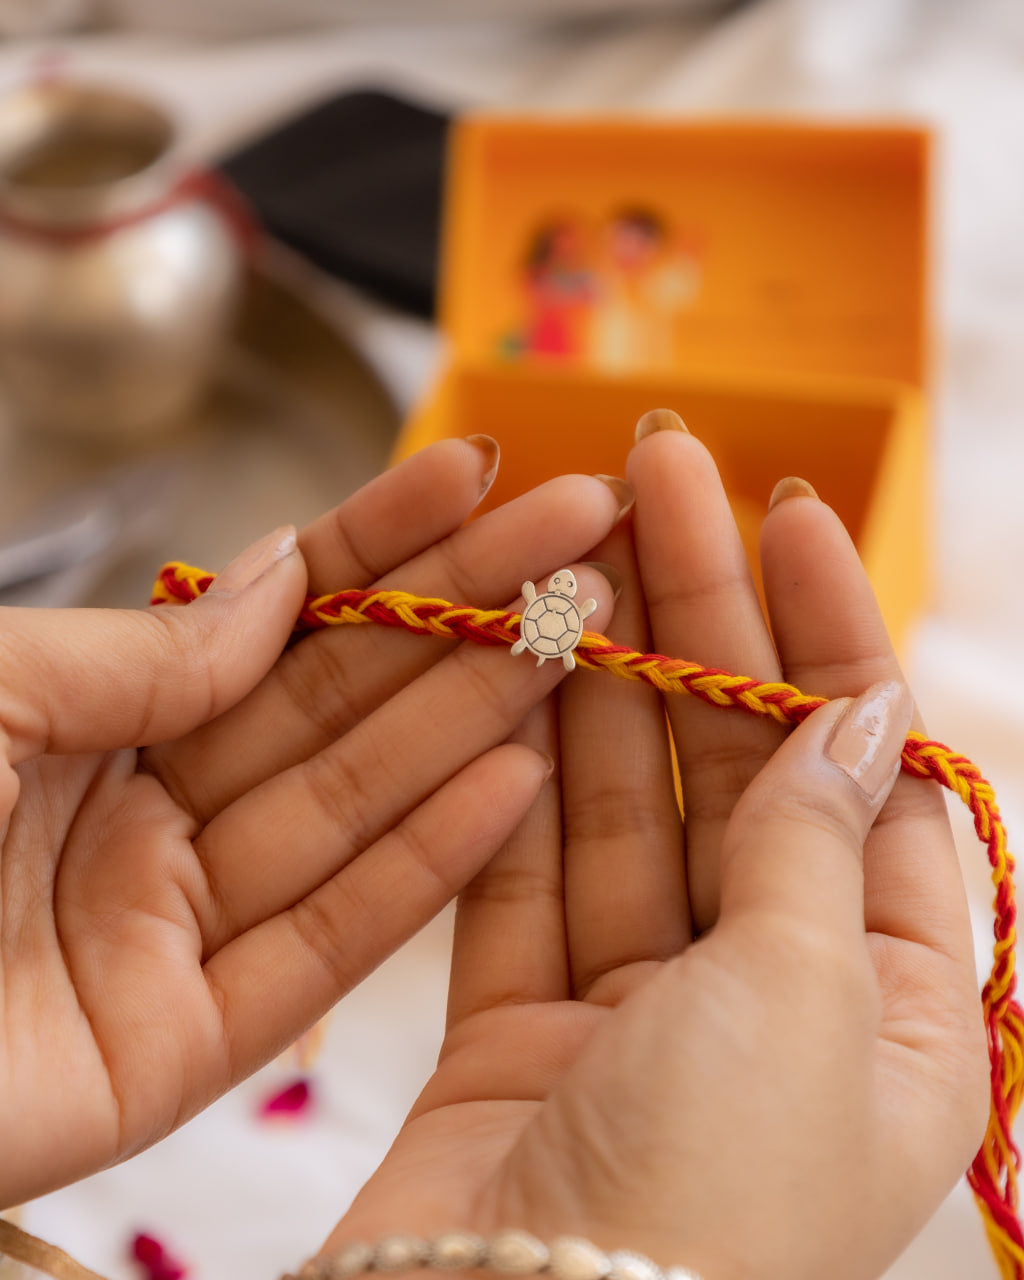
(240, 1200)
(251, 17)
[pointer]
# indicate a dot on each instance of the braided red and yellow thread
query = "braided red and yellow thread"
(994, 1174)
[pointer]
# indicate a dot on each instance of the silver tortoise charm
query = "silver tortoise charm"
(552, 625)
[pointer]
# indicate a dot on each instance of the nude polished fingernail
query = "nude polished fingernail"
(254, 561)
(867, 740)
(491, 451)
(791, 487)
(659, 420)
(609, 572)
(623, 492)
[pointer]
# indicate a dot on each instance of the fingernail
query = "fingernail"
(254, 561)
(610, 572)
(867, 740)
(623, 493)
(791, 487)
(549, 763)
(491, 451)
(659, 420)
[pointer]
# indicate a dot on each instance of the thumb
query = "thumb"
(794, 845)
(99, 679)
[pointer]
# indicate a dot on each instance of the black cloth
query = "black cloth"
(355, 185)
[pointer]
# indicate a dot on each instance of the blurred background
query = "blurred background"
(172, 384)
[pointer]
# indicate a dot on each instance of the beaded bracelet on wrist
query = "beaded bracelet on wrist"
(509, 1253)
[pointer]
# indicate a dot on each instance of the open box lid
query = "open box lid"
(723, 247)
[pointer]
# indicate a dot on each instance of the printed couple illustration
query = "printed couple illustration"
(610, 296)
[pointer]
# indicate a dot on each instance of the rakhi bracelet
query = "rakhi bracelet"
(509, 1253)
(994, 1173)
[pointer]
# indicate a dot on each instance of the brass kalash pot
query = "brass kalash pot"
(120, 268)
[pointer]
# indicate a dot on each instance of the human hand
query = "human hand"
(753, 1047)
(205, 841)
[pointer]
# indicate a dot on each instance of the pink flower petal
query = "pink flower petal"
(154, 1260)
(290, 1103)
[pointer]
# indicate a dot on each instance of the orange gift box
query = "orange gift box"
(767, 281)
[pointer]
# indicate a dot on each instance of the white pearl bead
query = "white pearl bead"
(516, 1253)
(314, 1269)
(573, 1259)
(627, 1265)
(351, 1259)
(399, 1253)
(680, 1273)
(456, 1250)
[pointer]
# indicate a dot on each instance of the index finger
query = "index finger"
(833, 641)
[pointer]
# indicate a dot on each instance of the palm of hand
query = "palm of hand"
(536, 1117)
(603, 1074)
(173, 916)
(107, 1011)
